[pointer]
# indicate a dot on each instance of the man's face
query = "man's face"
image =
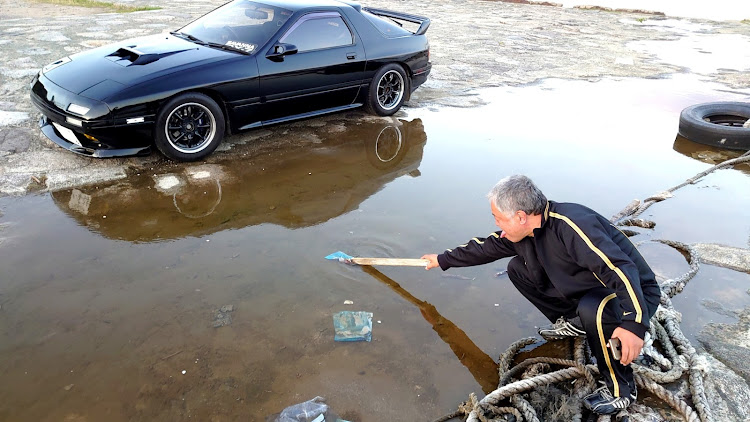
(511, 226)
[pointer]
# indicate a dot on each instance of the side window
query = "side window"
(316, 31)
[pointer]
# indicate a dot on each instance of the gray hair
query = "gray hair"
(517, 193)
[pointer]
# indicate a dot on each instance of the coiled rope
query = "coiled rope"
(651, 370)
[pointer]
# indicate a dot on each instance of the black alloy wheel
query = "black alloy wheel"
(387, 90)
(189, 127)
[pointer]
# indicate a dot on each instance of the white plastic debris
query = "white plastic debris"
(348, 302)
(184, 372)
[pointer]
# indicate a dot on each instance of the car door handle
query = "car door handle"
(351, 56)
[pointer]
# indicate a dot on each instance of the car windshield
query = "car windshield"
(242, 25)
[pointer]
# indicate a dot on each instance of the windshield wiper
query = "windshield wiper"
(208, 43)
(227, 47)
(189, 37)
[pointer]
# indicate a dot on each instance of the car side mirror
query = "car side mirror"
(278, 51)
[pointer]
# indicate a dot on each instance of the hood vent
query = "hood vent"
(127, 56)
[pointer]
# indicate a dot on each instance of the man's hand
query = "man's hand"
(631, 345)
(433, 261)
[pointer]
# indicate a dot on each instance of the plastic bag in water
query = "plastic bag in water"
(352, 326)
(304, 412)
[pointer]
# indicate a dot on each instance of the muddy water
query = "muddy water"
(110, 292)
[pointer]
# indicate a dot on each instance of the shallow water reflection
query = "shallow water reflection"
(708, 154)
(294, 188)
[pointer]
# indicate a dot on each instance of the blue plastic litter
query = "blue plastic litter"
(339, 256)
(352, 326)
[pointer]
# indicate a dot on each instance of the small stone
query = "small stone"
(68, 387)
(227, 308)
(184, 372)
(348, 302)
(378, 321)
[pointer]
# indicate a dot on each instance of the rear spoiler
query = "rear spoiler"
(423, 22)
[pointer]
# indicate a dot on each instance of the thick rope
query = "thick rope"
(556, 361)
(675, 285)
(526, 385)
(525, 407)
(680, 405)
(506, 359)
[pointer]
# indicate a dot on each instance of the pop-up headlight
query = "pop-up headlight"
(55, 64)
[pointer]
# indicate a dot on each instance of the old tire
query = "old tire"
(387, 90)
(189, 127)
(718, 124)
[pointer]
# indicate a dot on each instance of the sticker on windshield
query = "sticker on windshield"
(249, 48)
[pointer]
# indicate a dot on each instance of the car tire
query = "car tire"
(718, 124)
(387, 90)
(189, 127)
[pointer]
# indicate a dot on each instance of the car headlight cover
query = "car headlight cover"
(55, 64)
(80, 110)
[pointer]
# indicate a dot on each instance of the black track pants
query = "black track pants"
(599, 311)
(540, 292)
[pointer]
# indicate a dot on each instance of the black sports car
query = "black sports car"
(241, 66)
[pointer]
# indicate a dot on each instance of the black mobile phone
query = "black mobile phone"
(614, 346)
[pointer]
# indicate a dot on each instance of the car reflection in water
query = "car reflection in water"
(708, 154)
(293, 187)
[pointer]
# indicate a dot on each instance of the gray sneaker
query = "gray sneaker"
(563, 328)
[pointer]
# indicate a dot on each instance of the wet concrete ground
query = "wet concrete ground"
(110, 290)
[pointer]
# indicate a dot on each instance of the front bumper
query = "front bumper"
(101, 137)
(85, 147)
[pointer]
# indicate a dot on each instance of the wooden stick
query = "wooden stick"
(391, 261)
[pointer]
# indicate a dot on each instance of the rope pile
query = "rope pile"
(553, 388)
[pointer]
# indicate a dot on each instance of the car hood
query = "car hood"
(100, 72)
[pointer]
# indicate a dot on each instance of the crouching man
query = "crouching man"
(579, 270)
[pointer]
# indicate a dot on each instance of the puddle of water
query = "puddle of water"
(109, 292)
(701, 53)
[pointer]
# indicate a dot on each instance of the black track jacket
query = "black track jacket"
(574, 250)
